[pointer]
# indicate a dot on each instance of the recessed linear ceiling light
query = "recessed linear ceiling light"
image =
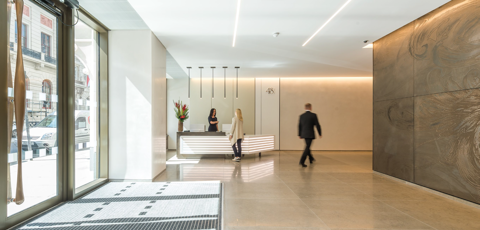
(338, 11)
(369, 46)
(236, 23)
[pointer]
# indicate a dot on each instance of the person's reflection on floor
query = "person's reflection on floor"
(237, 172)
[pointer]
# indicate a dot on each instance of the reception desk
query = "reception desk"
(192, 144)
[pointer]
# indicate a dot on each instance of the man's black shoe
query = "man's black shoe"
(303, 165)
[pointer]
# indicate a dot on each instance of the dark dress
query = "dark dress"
(212, 127)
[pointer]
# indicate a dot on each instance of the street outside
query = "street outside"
(40, 178)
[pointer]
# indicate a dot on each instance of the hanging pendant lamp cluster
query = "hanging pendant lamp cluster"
(213, 81)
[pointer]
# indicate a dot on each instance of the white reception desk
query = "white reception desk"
(203, 143)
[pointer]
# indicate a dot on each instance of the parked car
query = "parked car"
(44, 134)
(14, 130)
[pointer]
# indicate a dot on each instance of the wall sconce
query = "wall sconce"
(201, 87)
(213, 82)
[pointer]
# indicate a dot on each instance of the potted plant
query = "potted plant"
(181, 112)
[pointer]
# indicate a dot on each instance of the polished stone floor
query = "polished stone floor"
(338, 191)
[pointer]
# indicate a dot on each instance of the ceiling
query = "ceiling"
(115, 14)
(200, 33)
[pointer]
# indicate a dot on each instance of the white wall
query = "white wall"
(225, 106)
(133, 118)
(267, 112)
(159, 105)
(245, 102)
(177, 89)
(200, 106)
(343, 106)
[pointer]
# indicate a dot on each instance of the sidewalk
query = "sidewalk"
(40, 178)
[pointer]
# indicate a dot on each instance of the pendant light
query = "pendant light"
(201, 87)
(237, 67)
(189, 81)
(225, 82)
(213, 82)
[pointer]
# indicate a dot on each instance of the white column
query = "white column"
(137, 97)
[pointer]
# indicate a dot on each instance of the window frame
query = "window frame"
(49, 43)
(28, 88)
(63, 49)
(48, 96)
(25, 33)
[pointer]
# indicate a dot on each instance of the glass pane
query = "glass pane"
(39, 145)
(86, 112)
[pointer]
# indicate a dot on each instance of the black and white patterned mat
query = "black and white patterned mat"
(124, 205)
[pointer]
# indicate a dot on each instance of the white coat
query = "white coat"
(236, 131)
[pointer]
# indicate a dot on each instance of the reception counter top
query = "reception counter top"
(195, 144)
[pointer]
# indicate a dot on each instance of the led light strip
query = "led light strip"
(338, 11)
(236, 23)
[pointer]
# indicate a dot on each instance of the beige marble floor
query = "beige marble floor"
(339, 191)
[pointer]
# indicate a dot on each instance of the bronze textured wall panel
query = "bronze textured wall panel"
(444, 74)
(393, 138)
(446, 47)
(393, 69)
(447, 143)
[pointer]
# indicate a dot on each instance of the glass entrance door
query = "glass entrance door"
(37, 142)
(86, 104)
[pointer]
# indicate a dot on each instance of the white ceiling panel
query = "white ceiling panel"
(115, 14)
(200, 33)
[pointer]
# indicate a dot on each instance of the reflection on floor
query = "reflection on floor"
(339, 191)
(125, 205)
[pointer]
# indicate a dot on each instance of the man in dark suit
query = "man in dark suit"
(306, 131)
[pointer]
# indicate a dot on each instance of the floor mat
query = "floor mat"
(124, 205)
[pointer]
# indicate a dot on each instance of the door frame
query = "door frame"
(66, 111)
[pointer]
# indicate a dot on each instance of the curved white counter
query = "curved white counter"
(219, 144)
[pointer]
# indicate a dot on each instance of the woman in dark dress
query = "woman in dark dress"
(212, 120)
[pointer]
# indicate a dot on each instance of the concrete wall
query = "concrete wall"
(137, 118)
(426, 97)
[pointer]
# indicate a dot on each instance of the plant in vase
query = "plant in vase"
(181, 112)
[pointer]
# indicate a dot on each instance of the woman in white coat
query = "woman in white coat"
(236, 134)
